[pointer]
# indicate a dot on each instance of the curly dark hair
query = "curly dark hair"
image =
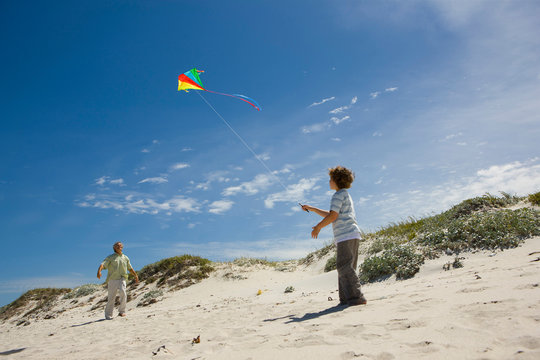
(342, 176)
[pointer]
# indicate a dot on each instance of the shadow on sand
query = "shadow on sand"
(11, 352)
(88, 323)
(309, 316)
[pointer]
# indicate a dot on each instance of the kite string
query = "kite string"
(243, 141)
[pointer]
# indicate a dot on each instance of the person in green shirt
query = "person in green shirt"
(117, 266)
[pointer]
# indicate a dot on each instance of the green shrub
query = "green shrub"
(534, 198)
(330, 264)
(245, 261)
(486, 230)
(485, 202)
(401, 260)
(150, 297)
(83, 290)
(152, 294)
(175, 265)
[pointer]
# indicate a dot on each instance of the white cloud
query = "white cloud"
(315, 128)
(259, 183)
(339, 110)
(452, 136)
(338, 121)
(145, 151)
(107, 180)
(322, 101)
(220, 206)
(374, 95)
(336, 139)
(140, 204)
(294, 193)
(294, 247)
(354, 100)
(154, 180)
(519, 178)
(179, 166)
(392, 89)
(102, 180)
(377, 133)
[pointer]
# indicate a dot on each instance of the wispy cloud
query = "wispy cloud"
(341, 109)
(334, 120)
(314, 128)
(338, 121)
(322, 101)
(259, 183)
(154, 180)
(517, 177)
(179, 166)
(220, 206)
(220, 176)
(376, 94)
(294, 193)
(140, 204)
(107, 180)
(283, 248)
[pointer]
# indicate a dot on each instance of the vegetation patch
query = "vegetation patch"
(317, 255)
(402, 260)
(177, 272)
(477, 223)
(150, 297)
(40, 300)
(501, 229)
(331, 264)
(534, 199)
(83, 290)
(246, 261)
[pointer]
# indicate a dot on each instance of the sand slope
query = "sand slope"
(489, 309)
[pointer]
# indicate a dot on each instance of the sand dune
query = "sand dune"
(489, 309)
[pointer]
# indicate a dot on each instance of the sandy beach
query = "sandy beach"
(488, 309)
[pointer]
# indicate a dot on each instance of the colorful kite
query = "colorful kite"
(190, 80)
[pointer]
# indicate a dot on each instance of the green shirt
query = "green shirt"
(117, 266)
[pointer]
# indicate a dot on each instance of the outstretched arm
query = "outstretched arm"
(318, 211)
(330, 218)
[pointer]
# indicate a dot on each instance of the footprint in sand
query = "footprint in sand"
(403, 324)
(425, 347)
(527, 286)
(472, 290)
(349, 330)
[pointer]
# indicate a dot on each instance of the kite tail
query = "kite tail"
(250, 101)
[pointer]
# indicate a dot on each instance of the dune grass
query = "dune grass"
(477, 223)
(177, 271)
(41, 299)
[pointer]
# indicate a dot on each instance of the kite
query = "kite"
(190, 80)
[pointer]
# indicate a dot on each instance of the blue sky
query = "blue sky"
(429, 102)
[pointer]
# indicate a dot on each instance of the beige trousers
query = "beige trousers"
(113, 287)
